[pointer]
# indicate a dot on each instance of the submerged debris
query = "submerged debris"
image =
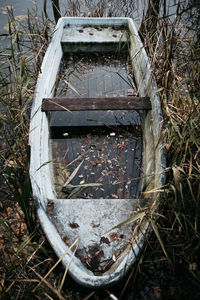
(96, 75)
(108, 142)
(113, 163)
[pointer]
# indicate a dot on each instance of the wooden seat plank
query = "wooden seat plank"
(108, 103)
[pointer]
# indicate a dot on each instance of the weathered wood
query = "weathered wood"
(109, 103)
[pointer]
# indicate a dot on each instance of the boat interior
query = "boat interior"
(101, 145)
(108, 143)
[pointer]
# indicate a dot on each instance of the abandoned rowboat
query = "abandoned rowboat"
(82, 227)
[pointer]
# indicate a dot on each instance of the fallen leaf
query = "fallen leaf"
(74, 225)
(94, 225)
(114, 236)
(104, 240)
(50, 206)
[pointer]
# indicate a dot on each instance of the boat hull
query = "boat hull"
(41, 171)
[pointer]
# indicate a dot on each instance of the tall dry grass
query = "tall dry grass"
(174, 52)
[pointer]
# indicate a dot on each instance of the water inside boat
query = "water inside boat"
(105, 147)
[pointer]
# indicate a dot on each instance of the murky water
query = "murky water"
(127, 8)
(107, 144)
(20, 8)
(20, 11)
(70, 8)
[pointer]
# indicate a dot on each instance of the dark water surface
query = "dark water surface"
(20, 11)
(20, 8)
(109, 143)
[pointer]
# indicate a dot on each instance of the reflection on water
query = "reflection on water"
(107, 145)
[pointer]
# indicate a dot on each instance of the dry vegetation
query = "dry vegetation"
(25, 254)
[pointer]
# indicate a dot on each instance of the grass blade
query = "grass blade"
(155, 229)
(79, 189)
(72, 87)
(25, 243)
(44, 164)
(73, 174)
(132, 219)
(66, 269)
(68, 249)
